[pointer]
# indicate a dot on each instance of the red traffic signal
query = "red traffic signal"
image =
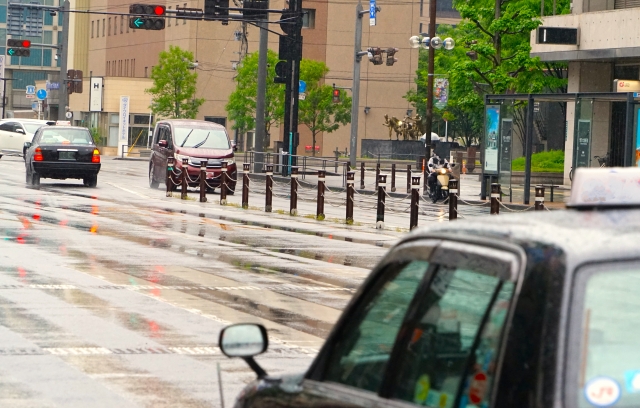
(336, 95)
(17, 43)
(148, 9)
(26, 43)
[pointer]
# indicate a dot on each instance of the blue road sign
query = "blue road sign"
(302, 87)
(372, 12)
(31, 90)
(41, 94)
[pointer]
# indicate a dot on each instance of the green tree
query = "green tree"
(241, 106)
(317, 111)
(174, 85)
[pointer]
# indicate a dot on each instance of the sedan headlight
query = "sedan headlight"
(180, 157)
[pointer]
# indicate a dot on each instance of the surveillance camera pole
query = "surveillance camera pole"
(63, 98)
(355, 98)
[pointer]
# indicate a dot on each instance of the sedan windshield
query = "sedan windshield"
(65, 136)
(32, 127)
(203, 138)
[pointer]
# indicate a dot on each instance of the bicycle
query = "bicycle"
(603, 161)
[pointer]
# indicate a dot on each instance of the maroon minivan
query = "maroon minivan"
(197, 141)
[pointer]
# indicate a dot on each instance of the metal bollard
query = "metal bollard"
(453, 199)
(382, 186)
(268, 198)
(169, 180)
(539, 198)
(393, 178)
(246, 167)
(415, 201)
(408, 179)
(223, 183)
(293, 202)
(185, 167)
(361, 176)
(351, 179)
(377, 174)
(425, 173)
(495, 197)
(321, 189)
(203, 181)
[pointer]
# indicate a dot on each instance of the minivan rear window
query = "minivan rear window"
(202, 138)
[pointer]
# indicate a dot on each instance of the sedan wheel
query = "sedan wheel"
(35, 179)
(152, 181)
(90, 181)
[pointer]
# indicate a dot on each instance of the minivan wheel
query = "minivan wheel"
(152, 181)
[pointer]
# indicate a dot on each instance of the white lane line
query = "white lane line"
(128, 191)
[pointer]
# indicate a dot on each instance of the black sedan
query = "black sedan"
(510, 311)
(62, 152)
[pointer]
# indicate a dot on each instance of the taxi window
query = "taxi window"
(360, 358)
(454, 343)
(609, 369)
(65, 136)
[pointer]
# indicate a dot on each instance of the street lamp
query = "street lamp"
(424, 41)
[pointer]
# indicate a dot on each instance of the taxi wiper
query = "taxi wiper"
(203, 142)
(185, 139)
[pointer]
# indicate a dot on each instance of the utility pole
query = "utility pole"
(261, 96)
(64, 55)
(355, 98)
(296, 7)
(430, 73)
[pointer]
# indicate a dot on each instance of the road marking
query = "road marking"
(272, 288)
(128, 191)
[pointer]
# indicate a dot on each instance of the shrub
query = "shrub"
(543, 162)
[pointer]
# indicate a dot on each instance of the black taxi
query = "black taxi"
(528, 310)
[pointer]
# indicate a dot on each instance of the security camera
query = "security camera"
(56, 57)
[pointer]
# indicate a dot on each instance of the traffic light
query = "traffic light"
(74, 81)
(18, 48)
(281, 72)
(375, 55)
(254, 9)
(336, 95)
(151, 16)
(217, 10)
(391, 52)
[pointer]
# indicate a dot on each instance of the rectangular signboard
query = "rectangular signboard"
(491, 144)
(583, 143)
(95, 94)
(372, 12)
(557, 35)
(123, 126)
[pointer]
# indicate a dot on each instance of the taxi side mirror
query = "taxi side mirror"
(163, 143)
(245, 341)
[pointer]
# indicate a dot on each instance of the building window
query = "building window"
(121, 24)
(92, 27)
(133, 67)
(168, 19)
(108, 67)
(185, 20)
(220, 120)
(309, 18)
(109, 32)
(146, 72)
(103, 24)
(98, 28)
(115, 25)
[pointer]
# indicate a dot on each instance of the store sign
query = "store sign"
(123, 126)
(95, 95)
(491, 145)
(624, 85)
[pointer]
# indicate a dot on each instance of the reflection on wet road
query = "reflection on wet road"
(115, 296)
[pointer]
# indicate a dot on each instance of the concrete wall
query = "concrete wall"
(392, 149)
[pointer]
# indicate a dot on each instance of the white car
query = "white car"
(15, 132)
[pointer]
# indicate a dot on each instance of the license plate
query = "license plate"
(66, 155)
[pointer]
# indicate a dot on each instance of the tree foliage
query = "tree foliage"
(174, 85)
(241, 106)
(317, 111)
(503, 64)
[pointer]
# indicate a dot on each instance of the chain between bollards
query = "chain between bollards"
(321, 187)
(408, 179)
(293, 198)
(495, 197)
(453, 199)
(361, 176)
(246, 167)
(351, 179)
(268, 197)
(185, 170)
(415, 201)
(169, 180)
(223, 183)
(539, 198)
(203, 181)
(382, 186)
(393, 177)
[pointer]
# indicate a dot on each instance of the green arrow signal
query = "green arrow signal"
(11, 51)
(138, 22)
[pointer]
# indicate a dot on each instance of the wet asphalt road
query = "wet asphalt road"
(115, 296)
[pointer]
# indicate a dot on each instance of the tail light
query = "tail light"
(96, 156)
(37, 156)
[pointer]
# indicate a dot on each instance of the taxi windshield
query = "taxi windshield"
(609, 371)
(65, 136)
(202, 138)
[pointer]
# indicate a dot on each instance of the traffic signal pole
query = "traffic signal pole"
(355, 98)
(63, 98)
(261, 96)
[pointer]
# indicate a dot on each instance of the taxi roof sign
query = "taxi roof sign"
(63, 123)
(605, 187)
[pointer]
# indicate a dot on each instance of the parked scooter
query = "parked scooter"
(441, 189)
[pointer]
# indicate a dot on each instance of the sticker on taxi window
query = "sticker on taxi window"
(632, 380)
(602, 391)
